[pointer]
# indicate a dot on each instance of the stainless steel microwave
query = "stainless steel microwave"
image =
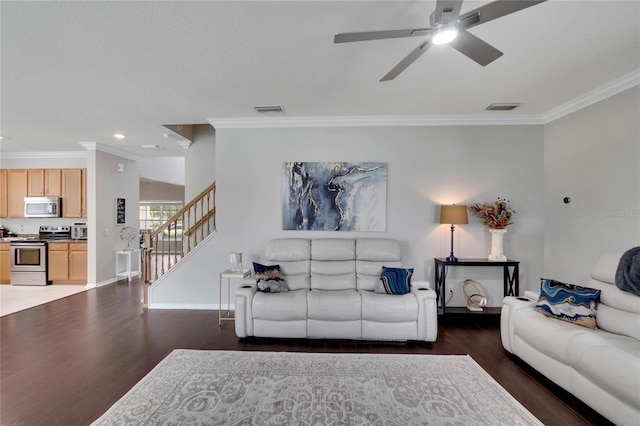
(42, 206)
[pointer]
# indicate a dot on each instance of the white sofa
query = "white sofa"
(599, 366)
(331, 283)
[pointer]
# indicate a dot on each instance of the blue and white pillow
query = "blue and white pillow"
(394, 281)
(568, 302)
(269, 278)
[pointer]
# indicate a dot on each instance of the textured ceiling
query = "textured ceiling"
(81, 71)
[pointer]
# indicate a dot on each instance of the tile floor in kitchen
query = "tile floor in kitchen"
(18, 298)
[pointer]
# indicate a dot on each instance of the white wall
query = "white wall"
(427, 167)
(109, 185)
(593, 157)
(200, 162)
(163, 169)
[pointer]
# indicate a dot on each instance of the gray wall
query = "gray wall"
(427, 167)
(593, 157)
(200, 161)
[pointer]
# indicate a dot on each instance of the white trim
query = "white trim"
(108, 150)
(373, 121)
(205, 307)
(612, 88)
(44, 154)
(607, 90)
(105, 282)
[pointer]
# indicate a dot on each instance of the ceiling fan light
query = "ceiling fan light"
(444, 35)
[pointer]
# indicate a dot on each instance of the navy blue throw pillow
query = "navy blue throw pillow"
(394, 281)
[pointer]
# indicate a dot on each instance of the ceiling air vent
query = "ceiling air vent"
(502, 107)
(150, 146)
(269, 109)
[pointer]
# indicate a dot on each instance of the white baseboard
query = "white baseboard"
(204, 307)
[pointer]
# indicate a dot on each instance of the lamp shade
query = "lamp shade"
(454, 214)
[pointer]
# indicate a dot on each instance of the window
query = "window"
(155, 214)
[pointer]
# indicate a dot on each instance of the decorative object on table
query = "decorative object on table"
(453, 215)
(477, 300)
(253, 387)
(120, 211)
(235, 259)
(497, 217)
(128, 234)
(336, 196)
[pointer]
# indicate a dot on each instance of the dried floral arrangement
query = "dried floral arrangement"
(496, 215)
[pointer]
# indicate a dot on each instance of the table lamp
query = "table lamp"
(453, 214)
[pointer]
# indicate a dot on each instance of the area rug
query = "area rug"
(283, 388)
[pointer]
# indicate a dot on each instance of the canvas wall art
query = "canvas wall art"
(336, 196)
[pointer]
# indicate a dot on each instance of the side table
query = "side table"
(132, 264)
(511, 280)
(229, 275)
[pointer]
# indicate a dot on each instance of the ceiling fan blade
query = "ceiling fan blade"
(408, 60)
(493, 10)
(476, 49)
(446, 11)
(378, 35)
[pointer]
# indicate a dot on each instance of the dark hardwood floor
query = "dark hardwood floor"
(66, 362)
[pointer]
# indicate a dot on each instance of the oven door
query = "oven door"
(28, 257)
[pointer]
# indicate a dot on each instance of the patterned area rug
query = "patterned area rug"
(283, 388)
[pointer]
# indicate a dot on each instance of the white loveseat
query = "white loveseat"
(599, 366)
(331, 283)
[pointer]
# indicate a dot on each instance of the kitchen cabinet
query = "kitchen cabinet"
(83, 193)
(5, 263)
(3, 193)
(72, 193)
(67, 263)
(44, 183)
(16, 191)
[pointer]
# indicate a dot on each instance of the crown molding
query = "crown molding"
(596, 95)
(94, 146)
(43, 154)
(372, 121)
(607, 90)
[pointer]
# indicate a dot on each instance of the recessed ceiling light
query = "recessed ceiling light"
(502, 107)
(265, 109)
(151, 146)
(119, 136)
(1, 137)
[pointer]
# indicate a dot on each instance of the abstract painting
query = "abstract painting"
(334, 196)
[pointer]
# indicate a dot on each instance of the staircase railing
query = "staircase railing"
(170, 242)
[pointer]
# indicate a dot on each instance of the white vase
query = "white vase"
(497, 246)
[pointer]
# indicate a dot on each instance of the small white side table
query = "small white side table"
(132, 264)
(229, 275)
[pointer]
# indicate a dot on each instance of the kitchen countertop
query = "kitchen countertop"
(37, 238)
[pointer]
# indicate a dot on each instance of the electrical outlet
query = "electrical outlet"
(450, 291)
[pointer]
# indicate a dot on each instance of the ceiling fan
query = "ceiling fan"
(447, 27)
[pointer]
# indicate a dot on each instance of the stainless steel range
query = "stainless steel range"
(29, 256)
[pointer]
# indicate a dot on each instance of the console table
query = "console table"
(229, 275)
(510, 276)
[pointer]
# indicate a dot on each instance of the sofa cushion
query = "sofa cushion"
(294, 257)
(334, 305)
(610, 361)
(548, 335)
(371, 255)
(387, 308)
(394, 281)
(378, 249)
(269, 278)
(568, 302)
(287, 306)
(333, 249)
